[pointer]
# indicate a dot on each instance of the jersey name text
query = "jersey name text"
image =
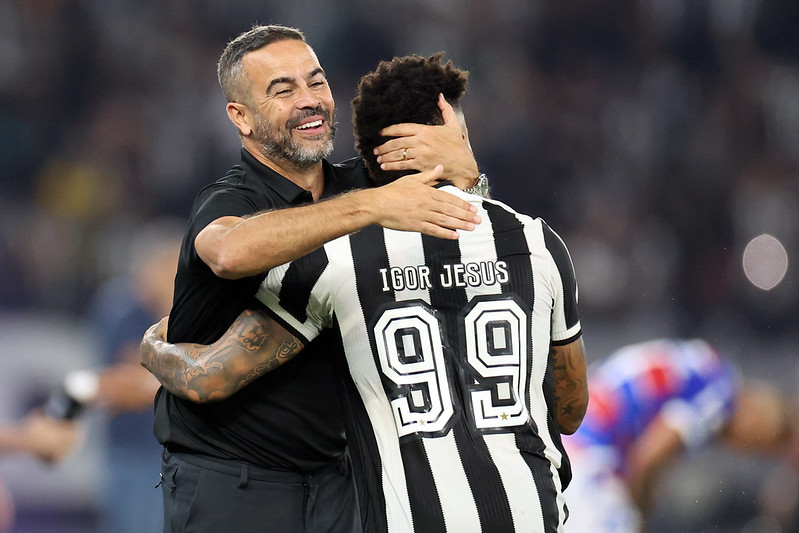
(452, 275)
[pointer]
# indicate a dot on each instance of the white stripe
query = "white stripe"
(404, 249)
(452, 485)
(479, 246)
(541, 320)
(518, 481)
(367, 380)
(561, 499)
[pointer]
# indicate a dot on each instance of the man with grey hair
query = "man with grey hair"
(273, 457)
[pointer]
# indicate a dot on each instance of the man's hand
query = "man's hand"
(409, 204)
(426, 146)
(46, 438)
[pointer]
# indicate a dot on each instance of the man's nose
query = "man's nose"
(308, 98)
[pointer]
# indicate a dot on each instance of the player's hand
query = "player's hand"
(425, 147)
(411, 204)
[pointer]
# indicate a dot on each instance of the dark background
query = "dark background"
(657, 137)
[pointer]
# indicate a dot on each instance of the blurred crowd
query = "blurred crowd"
(658, 137)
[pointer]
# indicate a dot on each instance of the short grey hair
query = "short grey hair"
(229, 69)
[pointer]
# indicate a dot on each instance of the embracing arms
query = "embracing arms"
(236, 247)
(253, 345)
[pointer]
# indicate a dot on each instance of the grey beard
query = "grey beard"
(282, 146)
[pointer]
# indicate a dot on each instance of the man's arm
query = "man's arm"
(254, 345)
(44, 437)
(237, 247)
(571, 385)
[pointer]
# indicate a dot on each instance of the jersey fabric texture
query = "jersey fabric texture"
(686, 382)
(447, 345)
(290, 419)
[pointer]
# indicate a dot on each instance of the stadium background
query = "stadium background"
(658, 137)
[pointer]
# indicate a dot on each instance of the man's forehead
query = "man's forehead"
(284, 58)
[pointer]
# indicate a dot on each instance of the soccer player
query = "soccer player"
(464, 357)
(652, 403)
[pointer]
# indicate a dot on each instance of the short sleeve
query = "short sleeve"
(298, 294)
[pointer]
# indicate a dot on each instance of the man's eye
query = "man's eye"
(283, 92)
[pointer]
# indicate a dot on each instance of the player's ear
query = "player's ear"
(240, 116)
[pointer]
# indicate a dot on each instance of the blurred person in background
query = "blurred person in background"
(130, 502)
(39, 435)
(120, 310)
(653, 403)
(275, 455)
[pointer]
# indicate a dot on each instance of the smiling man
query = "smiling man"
(273, 458)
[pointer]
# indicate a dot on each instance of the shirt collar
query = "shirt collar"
(292, 193)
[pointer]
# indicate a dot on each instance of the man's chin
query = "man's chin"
(315, 151)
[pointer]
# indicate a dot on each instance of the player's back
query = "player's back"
(456, 390)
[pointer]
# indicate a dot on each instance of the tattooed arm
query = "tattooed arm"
(253, 345)
(571, 385)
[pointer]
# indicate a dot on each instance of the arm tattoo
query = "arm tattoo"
(571, 387)
(253, 345)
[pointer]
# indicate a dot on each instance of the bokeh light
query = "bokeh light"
(765, 261)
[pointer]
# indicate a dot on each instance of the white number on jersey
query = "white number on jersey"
(410, 349)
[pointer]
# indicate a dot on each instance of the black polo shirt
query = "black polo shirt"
(291, 418)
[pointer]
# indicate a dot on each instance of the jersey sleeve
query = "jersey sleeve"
(565, 315)
(298, 295)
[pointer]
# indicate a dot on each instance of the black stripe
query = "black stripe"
(362, 445)
(489, 492)
(547, 492)
(300, 278)
(422, 494)
(484, 480)
(512, 247)
(564, 263)
(369, 255)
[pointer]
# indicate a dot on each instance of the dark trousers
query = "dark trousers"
(208, 495)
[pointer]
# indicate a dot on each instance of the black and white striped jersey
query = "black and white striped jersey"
(447, 343)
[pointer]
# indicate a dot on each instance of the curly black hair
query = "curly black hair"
(404, 89)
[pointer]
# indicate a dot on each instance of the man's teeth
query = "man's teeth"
(314, 124)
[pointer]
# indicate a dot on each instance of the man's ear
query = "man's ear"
(240, 116)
